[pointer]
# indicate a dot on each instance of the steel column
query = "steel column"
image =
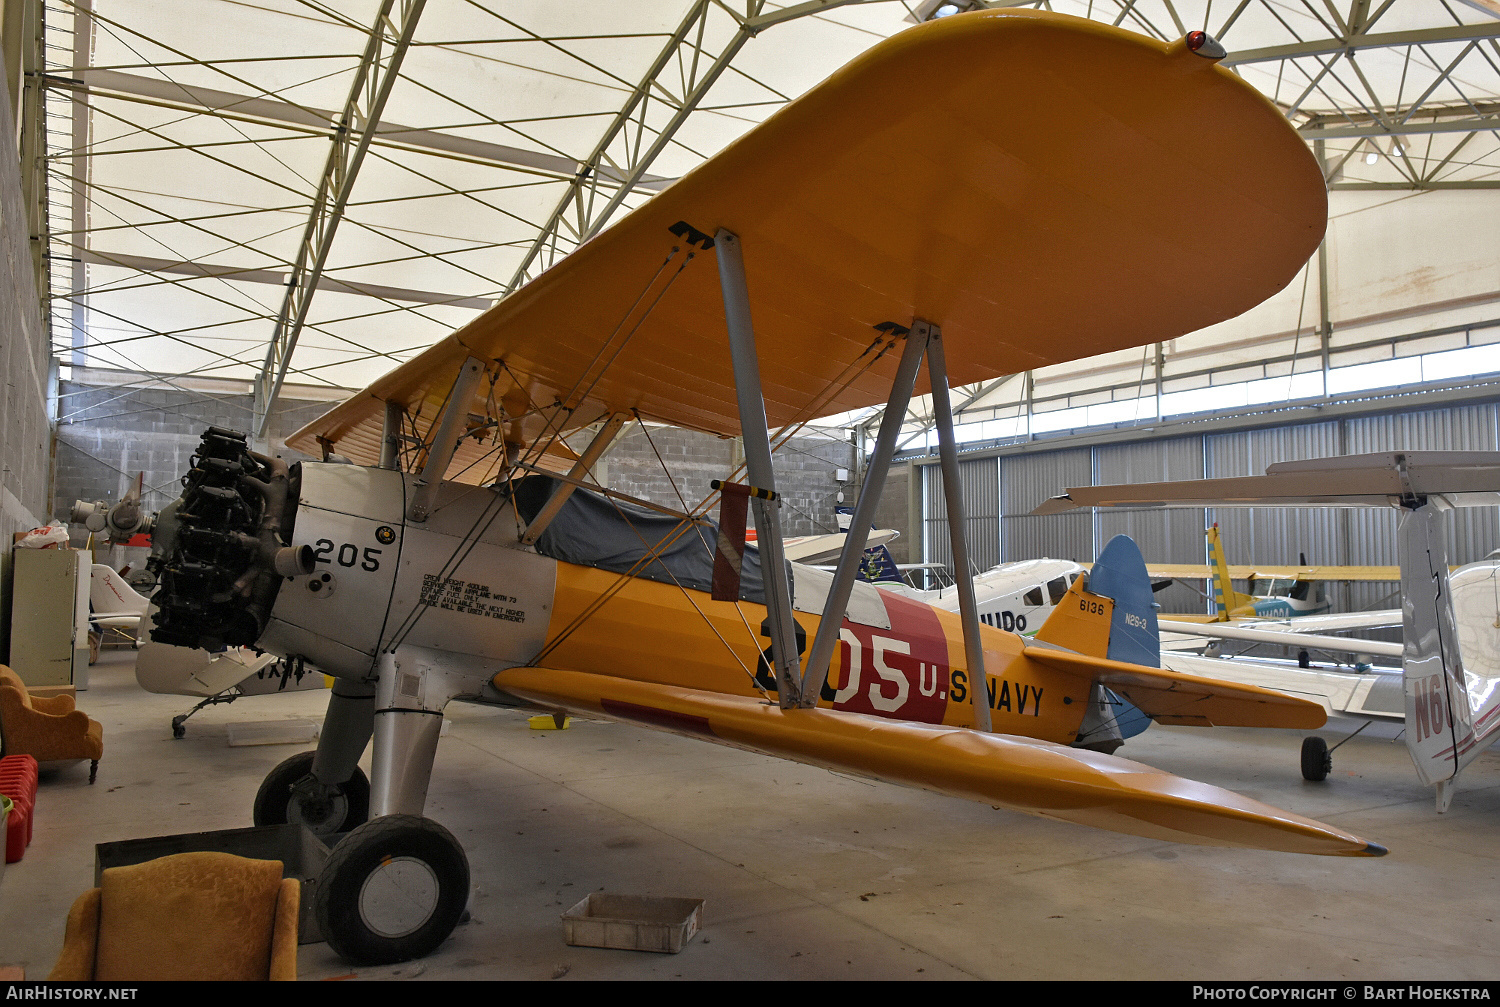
(821, 653)
(755, 434)
(968, 609)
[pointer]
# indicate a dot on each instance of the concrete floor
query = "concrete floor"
(808, 875)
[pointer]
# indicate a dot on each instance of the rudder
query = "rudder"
(1111, 614)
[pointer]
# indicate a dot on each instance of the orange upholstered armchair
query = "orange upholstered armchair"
(188, 916)
(47, 729)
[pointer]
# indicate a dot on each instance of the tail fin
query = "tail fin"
(877, 566)
(1109, 614)
(1440, 710)
(1226, 598)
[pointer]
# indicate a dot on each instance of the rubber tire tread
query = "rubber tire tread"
(336, 899)
(275, 793)
(1316, 762)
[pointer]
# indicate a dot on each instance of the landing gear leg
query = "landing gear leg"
(325, 790)
(394, 888)
(179, 722)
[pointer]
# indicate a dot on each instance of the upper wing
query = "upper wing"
(952, 173)
(1169, 697)
(1037, 777)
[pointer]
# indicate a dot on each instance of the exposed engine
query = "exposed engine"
(222, 549)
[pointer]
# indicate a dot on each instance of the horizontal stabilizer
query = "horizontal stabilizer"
(1281, 633)
(1168, 697)
(1022, 774)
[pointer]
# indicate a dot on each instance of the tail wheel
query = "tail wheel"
(290, 794)
(392, 890)
(1317, 763)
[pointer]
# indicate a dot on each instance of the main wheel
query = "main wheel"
(391, 890)
(290, 795)
(1317, 763)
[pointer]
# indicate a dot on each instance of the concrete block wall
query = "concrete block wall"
(894, 512)
(25, 431)
(109, 434)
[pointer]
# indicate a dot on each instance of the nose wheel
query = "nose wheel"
(292, 795)
(392, 890)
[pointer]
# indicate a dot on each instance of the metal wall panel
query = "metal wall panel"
(1472, 532)
(980, 480)
(1025, 482)
(1277, 535)
(999, 500)
(1461, 428)
(1168, 536)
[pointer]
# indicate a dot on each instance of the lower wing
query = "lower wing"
(1022, 774)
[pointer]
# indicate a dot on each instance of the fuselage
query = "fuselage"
(1014, 597)
(460, 584)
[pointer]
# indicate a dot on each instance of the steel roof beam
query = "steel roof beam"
(582, 211)
(147, 264)
(379, 68)
(286, 115)
(1330, 46)
(1465, 125)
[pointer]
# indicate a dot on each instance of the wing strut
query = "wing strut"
(758, 470)
(924, 338)
(858, 535)
(390, 436)
(445, 442)
(937, 374)
(582, 469)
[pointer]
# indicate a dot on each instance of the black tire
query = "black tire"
(414, 855)
(1317, 763)
(289, 793)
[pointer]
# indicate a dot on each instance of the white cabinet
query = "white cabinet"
(49, 622)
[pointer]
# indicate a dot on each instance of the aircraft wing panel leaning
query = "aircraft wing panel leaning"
(1335, 574)
(1169, 697)
(951, 173)
(1036, 777)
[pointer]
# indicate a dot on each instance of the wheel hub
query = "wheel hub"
(398, 897)
(323, 810)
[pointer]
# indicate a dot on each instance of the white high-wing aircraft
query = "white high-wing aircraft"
(1450, 650)
(1016, 597)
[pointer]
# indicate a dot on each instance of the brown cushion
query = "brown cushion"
(189, 916)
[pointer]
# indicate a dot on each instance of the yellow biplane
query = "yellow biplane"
(988, 193)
